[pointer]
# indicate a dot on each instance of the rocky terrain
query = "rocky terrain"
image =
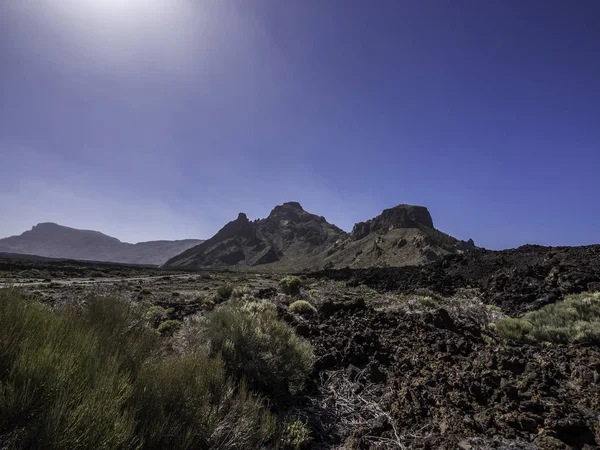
(57, 241)
(406, 357)
(292, 239)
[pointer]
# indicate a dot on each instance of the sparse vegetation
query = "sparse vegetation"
(257, 346)
(302, 307)
(88, 378)
(574, 319)
(290, 285)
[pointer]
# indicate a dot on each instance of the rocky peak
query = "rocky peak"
(239, 226)
(287, 211)
(401, 216)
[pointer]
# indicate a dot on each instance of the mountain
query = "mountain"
(291, 238)
(57, 241)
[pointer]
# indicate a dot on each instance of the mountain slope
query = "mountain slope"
(57, 241)
(293, 239)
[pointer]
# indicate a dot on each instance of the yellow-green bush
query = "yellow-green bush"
(224, 291)
(574, 319)
(302, 307)
(295, 435)
(168, 327)
(290, 285)
(90, 379)
(259, 347)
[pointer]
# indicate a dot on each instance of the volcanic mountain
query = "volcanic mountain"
(291, 238)
(57, 241)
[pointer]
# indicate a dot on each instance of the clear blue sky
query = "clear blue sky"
(153, 119)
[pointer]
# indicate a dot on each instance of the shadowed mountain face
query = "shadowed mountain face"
(56, 241)
(293, 239)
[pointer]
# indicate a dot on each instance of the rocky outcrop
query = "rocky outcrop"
(401, 216)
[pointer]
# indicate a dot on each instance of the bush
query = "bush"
(302, 307)
(241, 291)
(156, 314)
(428, 301)
(295, 435)
(145, 291)
(224, 291)
(188, 403)
(168, 327)
(513, 329)
(290, 285)
(575, 319)
(88, 379)
(259, 347)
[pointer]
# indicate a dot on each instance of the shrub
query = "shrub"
(259, 347)
(224, 291)
(168, 327)
(175, 294)
(295, 435)
(88, 379)
(156, 314)
(290, 285)
(241, 291)
(145, 291)
(574, 319)
(428, 301)
(302, 307)
(188, 402)
(513, 329)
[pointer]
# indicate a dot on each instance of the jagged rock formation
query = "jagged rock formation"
(289, 237)
(56, 241)
(293, 239)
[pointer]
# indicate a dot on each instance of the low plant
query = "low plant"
(290, 285)
(295, 435)
(302, 307)
(224, 291)
(428, 302)
(168, 327)
(257, 346)
(574, 319)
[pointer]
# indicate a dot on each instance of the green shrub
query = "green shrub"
(259, 347)
(290, 285)
(241, 291)
(88, 379)
(294, 436)
(302, 307)
(513, 329)
(156, 314)
(428, 301)
(574, 319)
(188, 403)
(175, 294)
(224, 291)
(145, 291)
(168, 327)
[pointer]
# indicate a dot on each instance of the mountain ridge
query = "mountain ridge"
(49, 239)
(290, 238)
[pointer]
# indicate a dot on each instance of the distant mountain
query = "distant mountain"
(293, 239)
(57, 241)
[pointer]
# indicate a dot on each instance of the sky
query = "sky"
(162, 119)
